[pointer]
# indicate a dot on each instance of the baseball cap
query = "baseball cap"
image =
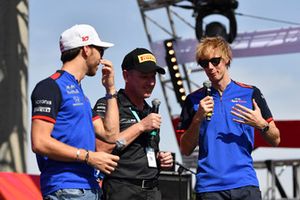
(81, 35)
(141, 60)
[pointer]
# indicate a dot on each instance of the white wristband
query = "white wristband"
(77, 154)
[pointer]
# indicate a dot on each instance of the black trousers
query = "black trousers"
(243, 193)
(118, 189)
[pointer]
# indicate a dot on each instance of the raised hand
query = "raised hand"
(206, 105)
(107, 75)
(248, 116)
(151, 122)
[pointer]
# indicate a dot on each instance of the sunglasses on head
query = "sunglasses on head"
(214, 61)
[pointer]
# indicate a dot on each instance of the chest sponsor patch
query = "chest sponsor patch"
(238, 100)
(77, 101)
(71, 89)
(128, 121)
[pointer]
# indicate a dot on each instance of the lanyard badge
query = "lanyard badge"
(151, 157)
(149, 150)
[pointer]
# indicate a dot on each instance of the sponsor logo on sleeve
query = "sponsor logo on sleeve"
(43, 102)
(42, 109)
(101, 108)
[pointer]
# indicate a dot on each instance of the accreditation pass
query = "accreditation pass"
(151, 157)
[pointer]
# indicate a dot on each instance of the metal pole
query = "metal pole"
(13, 85)
(296, 187)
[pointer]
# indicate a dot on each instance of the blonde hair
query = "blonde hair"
(206, 44)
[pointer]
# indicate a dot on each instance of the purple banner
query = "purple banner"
(258, 43)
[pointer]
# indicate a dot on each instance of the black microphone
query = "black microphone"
(207, 86)
(155, 105)
(155, 108)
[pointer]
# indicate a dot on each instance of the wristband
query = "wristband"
(87, 155)
(110, 96)
(77, 154)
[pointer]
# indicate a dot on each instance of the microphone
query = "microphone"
(155, 108)
(155, 105)
(207, 86)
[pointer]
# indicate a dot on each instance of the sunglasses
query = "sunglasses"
(214, 61)
(99, 49)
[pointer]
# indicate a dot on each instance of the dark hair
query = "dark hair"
(69, 54)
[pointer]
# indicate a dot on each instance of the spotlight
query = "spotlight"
(216, 28)
(226, 8)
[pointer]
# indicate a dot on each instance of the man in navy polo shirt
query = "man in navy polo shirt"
(221, 118)
(63, 124)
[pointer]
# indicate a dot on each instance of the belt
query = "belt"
(143, 183)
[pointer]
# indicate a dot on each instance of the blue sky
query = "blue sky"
(120, 22)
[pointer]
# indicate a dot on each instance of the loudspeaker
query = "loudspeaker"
(174, 186)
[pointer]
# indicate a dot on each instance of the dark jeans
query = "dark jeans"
(116, 189)
(243, 193)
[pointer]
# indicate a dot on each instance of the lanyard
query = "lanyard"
(135, 115)
(150, 152)
(153, 132)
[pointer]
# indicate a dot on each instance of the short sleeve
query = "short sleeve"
(187, 114)
(45, 100)
(100, 107)
(262, 104)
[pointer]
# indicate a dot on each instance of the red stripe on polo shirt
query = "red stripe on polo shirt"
(55, 76)
(45, 118)
(96, 117)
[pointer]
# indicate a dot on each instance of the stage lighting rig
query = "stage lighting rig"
(175, 74)
(154, 4)
(203, 8)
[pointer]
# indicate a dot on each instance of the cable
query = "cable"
(159, 26)
(182, 168)
(268, 19)
(182, 19)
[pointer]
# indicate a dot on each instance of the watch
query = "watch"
(110, 96)
(265, 129)
(120, 145)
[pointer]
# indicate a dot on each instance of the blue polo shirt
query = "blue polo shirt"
(225, 146)
(60, 100)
